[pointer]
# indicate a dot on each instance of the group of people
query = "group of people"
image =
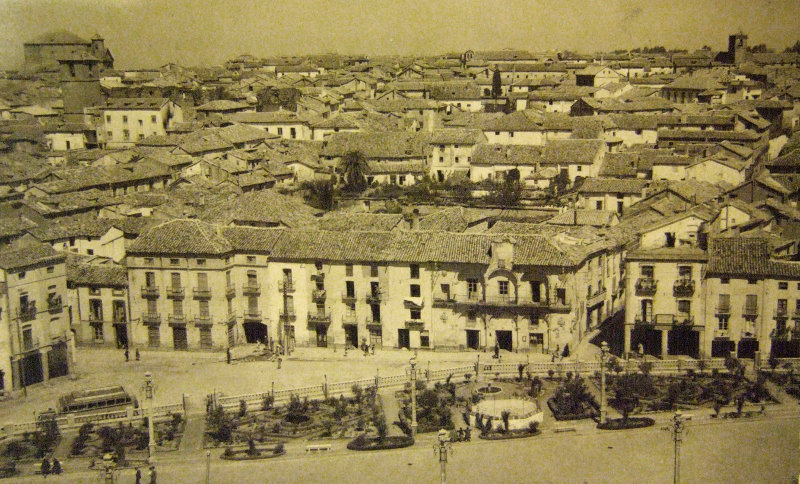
(128, 354)
(462, 435)
(50, 467)
(151, 475)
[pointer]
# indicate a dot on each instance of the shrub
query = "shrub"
(15, 449)
(269, 400)
(533, 426)
(228, 451)
(550, 373)
(467, 376)
(279, 448)
(505, 415)
(176, 419)
(645, 367)
(487, 428)
(251, 448)
(380, 427)
(220, 425)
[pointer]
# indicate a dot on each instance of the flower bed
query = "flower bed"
(93, 441)
(362, 442)
(330, 418)
(253, 453)
(572, 400)
(624, 424)
(511, 434)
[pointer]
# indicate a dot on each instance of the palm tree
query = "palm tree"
(353, 168)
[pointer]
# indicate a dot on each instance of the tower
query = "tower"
(737, 47)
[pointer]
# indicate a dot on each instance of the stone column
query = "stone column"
(627, 347)
(664, 339)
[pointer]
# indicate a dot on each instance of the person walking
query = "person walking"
(45, 467)
(152, 474)
(138, 476)
(280, 360)
(467, 433)
(56, 467)
(127, 354)
(228, 355)
(137, 354)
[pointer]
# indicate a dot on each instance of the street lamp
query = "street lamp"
(603, 409)
(148, 394)
(208, 467)
(413, 396)
(678, 423)
(108, 469)
(441, 448)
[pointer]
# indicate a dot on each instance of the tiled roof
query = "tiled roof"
(66, 227)
(389, 144)
(620, 165)
(86, 271)
(58, 37)
(595, 218)
(27, 252)
(457, 136)
(265, 117)
(612, 185)
(204, 140)
(339, 221)
(263, 208)
(707, 135)
(182, 236)
(513, 155)
(401, 167)
(222, 105)
(572, 151)
(681, 254)
(242, 133)
(128, 104)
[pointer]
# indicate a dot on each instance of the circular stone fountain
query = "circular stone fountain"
(522, 412)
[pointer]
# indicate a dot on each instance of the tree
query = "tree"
(505, 415)
(794, 48)
(625, 398)
(508, 192)
(353, 168)
(320, 194)
(380, 427)
(759, 48)
(497, 84)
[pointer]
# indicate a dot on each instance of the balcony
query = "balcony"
(251, 289)
(796, 313)
(750, 311)
(349, 318)
(201, 293)
(780, 313)
(683, 288)
(441, 299)
(596, 298)
(319, 295)
(176, 319)
(319, 318)
(252, 315)
(643, 320)
(151, 318)
(373, 322)
(349, 296)
(723, 309)
(374, 297)
(780, 333)
(317, 274)
(684, 320)
(286, 285)
(646, 286)
(54, 305)
(175, 292)
(415, 324)
(27, 313)
(230, 291)
(287, 315)
(202, 320)
(721, 334)
(150, 291)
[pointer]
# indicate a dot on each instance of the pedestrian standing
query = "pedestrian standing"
(467, 433)
(137, 354)
(228, 355)
(280, 360)
(56, 468)
(45, 467)
(138, 476)
(127, 354)
(152, 474)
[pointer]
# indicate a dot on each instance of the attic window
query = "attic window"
(174, 262)
(50, 269)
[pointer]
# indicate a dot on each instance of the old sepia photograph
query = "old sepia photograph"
(399, 241)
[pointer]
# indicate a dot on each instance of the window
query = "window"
(752, 281)
(579, 168)
(725, 280)
(414, 271)
(723, 322)
(280, 131)
(252, 279)
(685, 272)
(373, 270)
(472, 288)
(177, 307)
(598, 205)
(152, 307)
(456, 159)
(175, 277)
(97, 332)
(684, 307)
(153, 119)
(153, 336)
(202, 308)
(561, 295)
(95, 309)
(647, 271)
(424, 339)
(251, 259)
(141, 123)
(109, 134)
(415, 313)
(50, 269)
(751, 302)
(108, 118)
(292, 132)
(782, 306)
(503, 288)
(415, 291)
(126, 134)
(150, 279)
(783, 285)
(441, 159)
(124, 118)
(174, 262)
(536, 291)
(202, 281)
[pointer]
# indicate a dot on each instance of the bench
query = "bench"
(313, 448)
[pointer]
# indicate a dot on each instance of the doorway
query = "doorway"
(351, 335)
(121, 334)
(504, 340)
(322, 335)
(179, 341)
(536, 341)
(403, 338)
(255, 332)
(473, 339)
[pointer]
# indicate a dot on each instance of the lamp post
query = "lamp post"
(603, 409)
(678, 422)
(148, 394)
(441, 448)
(108, 469)
(208, 467)
(413, 396)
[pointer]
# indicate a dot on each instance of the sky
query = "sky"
(150, 33)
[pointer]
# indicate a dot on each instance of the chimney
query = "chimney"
(414, 220)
